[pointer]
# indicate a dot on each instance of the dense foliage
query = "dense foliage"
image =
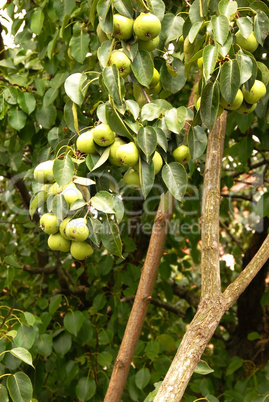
(62, 319)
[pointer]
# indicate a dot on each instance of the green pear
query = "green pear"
(149, 45)
(102, 36)
(77, 229)
(55, 188)
(103, 135)
(157, 161)
(80, 250)
(43, 172)
(49, 223)
(121, 61)
(155, 90)
(246, 108)
(155, 78)
(85, 143)
(63, 227)
(182, 154)
(147, 26)
(236, 103)
(122, 27)
(57, 242)
(71, 193)
(112, 152)
(139, 95)
(250, 43)
(256, 92)
(128, 154)
(131, 178)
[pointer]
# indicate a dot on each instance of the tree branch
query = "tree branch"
(142, 299)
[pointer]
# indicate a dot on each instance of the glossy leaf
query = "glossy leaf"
(225, 49)
(95, 228)
(154, 109)
(3, 394)
(245, 64)
(85, 389)
(59, 206)
(210, 104)
(50, 96)
(175, 119)
(104, 52)
(103, 201)
(142, 378)
(19, 387)
(146, 177)
(147, 141)
(227, 8)
(176, 82)
(37, 21)
(161, 138)
(17, 118)
(203, 368)
(245, 26)
(63, 170)
(157, 7)
(46, 115)
(73, 321)
(133, 107)
(171, 27)
(112, 82)
(111, 238)
(12, 261)
(22, 354)
(116, 123)
(229, 80)
(142, 67)
(62, 343)
(54, 304)
(124, 7)
(36, 201)
(197, 140)
(74, 87)
(26, 102)
(220, 26)
(103, 158)
(210, 56)
(175, 177)
(44, 344)
(261, 26)
(25, 336)
(195, 30)
(79, 46)
(104, 359)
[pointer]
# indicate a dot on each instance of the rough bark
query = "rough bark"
(141, 302)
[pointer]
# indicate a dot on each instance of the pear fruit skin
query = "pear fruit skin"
(245, 108)
(149, 45)
(128, 154)
(113, 150)
(103, 135)
(43, 172)
(182, 154)
(131, 178)
(236, 103)
(85, 143)
(249, 44)
(256, 92)
(122, 27)
(62, 227)
(71, 193)
(157, 161)
(49, 223)
(147, 26)
(57, 242)
(77, 229)
(121, 61)
(81, 250)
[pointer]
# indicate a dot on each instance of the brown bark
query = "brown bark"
(141, 302)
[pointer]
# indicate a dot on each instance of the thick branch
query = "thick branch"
(142, 299)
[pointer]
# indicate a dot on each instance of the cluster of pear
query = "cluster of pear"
(121, 153)
(246, 99)
(145, 30)
(68, 235)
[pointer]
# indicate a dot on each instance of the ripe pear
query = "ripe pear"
(121, 61)
(256, 92)
(85, 143)
(112, 152)
(157, 161)
(182, 154)
(128, 154)
(63, 227)
(80, 250)
(131, 178)
(250, 43)
(77, 229)
(43, 172)
(122, 27)
(147, 26)
(155, 78)
(54, 188)
(149, 45)
(236, 103)
(103, 135)
(57, 242)
(71, 193)
(49, 223)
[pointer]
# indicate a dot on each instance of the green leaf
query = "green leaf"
(203, 368)
(103, 158)
(261, 26)
(50, 96)
(161, 139)
(142, 67)
(263, 205)
(195, 30)
(111, 80)
(37, 21)
(73, 321)
(235, 364)
(157, 7)
(74, 87)
(195, 12)
(26, 102)
(197, 140)
(55, 303)
(104, 359)
(245, 26)
(19, 387)
(63, 170)
(25, 336)
(176, 82)
(146, 177)
(152, 349)
(62, 344)
(172, 26)
(79, 46)
(229, 80)
(220, 26)
(147, 141)
(11, 94)
(175, 119)
(175, 178)
(3, 394)
(124, 7)
(245, 65)
(52, 44)
(85, 389)
(59, 206)
(103, 201)
(210, 57)
(133, 107)
(116, 123)
(225, 49)
(142, 378)
(22, 354)
(46, 115)
(111, 238)
(17, 118)
(12, 261)
(227, 7)
(36, 201)
(44, 345)
(252, 336)
(154, 109)
(104, 52)
(95, 228)
(210, 104)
